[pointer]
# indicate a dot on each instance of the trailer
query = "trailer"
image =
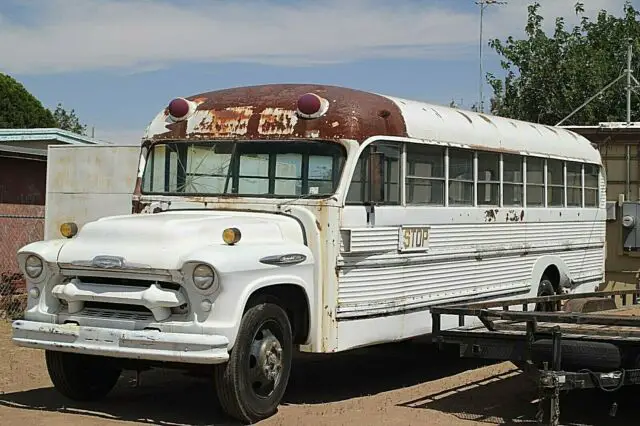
(590, 340)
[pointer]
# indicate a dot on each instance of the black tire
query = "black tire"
(236, 381)
(81, 377)
(545, 288)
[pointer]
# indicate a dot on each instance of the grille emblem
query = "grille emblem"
(108, 262)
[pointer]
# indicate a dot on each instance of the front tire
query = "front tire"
(251, 384)
(81, 377)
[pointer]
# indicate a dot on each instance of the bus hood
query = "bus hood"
(162, 240)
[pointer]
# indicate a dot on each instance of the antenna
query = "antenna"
(483, 5)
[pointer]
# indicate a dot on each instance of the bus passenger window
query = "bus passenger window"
(391, 153)
(357, 193)
(555, 183)
(512, 180)
(425, 174)
(360, 183)
(488, 178)
(535, 182)
(460, 177)
(591, 185)
(574, 184)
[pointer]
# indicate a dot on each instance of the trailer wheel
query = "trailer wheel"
(251, 384)
(545, 288)
(81, 377)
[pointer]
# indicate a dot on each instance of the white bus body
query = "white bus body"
(333, 252)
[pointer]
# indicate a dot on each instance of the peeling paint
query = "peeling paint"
(514, 215)
(226, 122)
(490, 215)
(277, 121)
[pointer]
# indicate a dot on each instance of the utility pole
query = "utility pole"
(629, 76)
(483, 5)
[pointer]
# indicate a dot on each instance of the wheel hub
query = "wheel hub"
(266, 350)
(270, 360)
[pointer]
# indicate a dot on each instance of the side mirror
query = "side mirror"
(376, 174)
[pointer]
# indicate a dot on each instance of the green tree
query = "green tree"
(548, 77)
(19, 108)
(68, 120)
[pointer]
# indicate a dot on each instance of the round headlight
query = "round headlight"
(203, 277)
(33, 266)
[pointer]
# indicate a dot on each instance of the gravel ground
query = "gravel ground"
(409, 383)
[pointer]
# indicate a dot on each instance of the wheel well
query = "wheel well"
(293, 300)
(553, 274)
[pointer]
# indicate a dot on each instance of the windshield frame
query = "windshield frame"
(305, 147)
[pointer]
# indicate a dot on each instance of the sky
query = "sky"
(117, 63)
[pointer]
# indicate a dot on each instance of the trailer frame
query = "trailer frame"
(507, 334)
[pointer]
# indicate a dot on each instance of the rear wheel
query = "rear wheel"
(251, 384)
(81, 377)
(546, 288)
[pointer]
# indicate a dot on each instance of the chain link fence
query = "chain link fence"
(16, 230)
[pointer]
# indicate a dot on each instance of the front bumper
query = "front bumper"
(133, 344)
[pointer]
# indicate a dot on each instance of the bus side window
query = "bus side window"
(555, 183)
(488, 178)
(460, 177)
(535, 182)
(425, 174)
(512, 180)
(574, 184)
(360, 186)
(591, 185)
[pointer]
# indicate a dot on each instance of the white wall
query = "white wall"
(86, 182)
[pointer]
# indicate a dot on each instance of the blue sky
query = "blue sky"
(118, 62)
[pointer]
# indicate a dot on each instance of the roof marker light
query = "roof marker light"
(311, 105)
(179, 109)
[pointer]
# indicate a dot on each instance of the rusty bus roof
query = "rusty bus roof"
(270, 112)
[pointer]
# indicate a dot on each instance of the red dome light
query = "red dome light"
(178, 108)
(309, 104)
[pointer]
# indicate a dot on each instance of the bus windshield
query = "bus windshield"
(276, 169)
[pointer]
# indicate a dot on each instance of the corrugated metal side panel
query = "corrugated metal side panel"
(378, 283)
(583, 263)
(374, 239)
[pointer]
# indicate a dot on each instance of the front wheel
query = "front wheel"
(81, 377)
(251, 384)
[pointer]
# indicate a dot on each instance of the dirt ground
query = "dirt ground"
(409, 383)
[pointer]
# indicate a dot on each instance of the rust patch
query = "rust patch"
(274, 121)
(268, 112)
(490, 215)
(225, 122)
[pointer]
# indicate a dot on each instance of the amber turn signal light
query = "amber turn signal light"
(68, 229)
(231, 236)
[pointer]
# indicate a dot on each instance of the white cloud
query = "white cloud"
(74, 35)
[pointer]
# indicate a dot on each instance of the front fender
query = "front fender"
(241, 274)
(48, 250)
